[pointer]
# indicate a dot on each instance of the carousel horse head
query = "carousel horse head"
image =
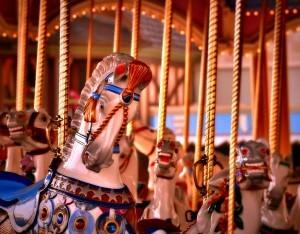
(29, 129)
(167, 157)
(252, 165)
(107, 103)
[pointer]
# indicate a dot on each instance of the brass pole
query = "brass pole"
(63, 85)
(135, 28)
(236, 88)
(187, 74)
(164, 76)
(135, 46)
(201, 105)
(276, 78)
(212, 57)
(90, 41)
(41, 57)
(22, 53)
(118, 25)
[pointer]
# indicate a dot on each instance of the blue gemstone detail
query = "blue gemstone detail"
(111, 227)
(96, 95)
(60, 218)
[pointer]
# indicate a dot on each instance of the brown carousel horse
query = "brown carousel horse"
(85, 192)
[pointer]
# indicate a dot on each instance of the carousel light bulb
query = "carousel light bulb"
(181, 32)
(48, 34)
(295, 11)
(94, 9)
(153, 16)
(298, 29)
(199, 47)
(248, 13)
(74, 16)
(83, 12)
(162, 20)
(123, 8)
(287, 11)
(255, 13)
(143, 12)
(113, 7)
(4, 34)
(247, 55)
(14, 35)
(192, 39)
(103, 8)
(173, 26)
(272, 12)
(56, 27)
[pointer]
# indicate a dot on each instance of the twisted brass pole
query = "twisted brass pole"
(134, 44)
(200, 108)
(211, 86)
(41, 57)
(22, 53)
(90, 41)
(274, 136)
(164, 76)
(118, 25)
(187, 74)
(64, 44)
(236, 84)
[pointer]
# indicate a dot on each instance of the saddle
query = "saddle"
(19, 199)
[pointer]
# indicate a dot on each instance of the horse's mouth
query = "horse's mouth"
(18, 130)
(255, 169)
(164, 158)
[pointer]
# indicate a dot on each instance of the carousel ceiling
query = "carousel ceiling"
(154, 8)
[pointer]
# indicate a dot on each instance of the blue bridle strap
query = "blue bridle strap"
(117, 90)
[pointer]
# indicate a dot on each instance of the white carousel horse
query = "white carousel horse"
(160, 216)
(86, 192)
(29, 130)
(251, 179)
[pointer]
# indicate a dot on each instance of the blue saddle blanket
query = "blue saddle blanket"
(15, 188)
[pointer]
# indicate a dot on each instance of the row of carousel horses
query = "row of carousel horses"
(93, 187)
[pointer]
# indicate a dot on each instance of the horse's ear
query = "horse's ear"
(90, 110)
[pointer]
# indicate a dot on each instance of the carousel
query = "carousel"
(149, 116)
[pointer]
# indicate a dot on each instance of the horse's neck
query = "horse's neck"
(108, 177)
(14, 156)
(163, 200)
(41, 163)
(251, 215)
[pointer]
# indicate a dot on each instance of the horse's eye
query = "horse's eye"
(101, 106)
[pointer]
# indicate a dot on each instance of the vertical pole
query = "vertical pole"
(63, 85)
(236, 86)
(276, 78)
(118, 25)
(90, 41)
(165, 63)
(22, 53)
(212, 58)
(41, 57)
(201, 105)
(187, 75)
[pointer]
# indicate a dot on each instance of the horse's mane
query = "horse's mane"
(103, 68)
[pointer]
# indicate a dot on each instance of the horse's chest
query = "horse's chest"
(77, 208)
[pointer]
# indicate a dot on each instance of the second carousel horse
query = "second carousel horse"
(85, 193)
(252, 178)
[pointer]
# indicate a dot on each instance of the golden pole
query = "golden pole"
(187, 75)
(261, 107)
(236, 84)
(63, 84)
(22, 53)
(118, 24)
(41, 57)
(274, 136)
(135, 45)
(212, 57)
(164, 76)
(135, 28)
(90, 41)
(201, 105)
